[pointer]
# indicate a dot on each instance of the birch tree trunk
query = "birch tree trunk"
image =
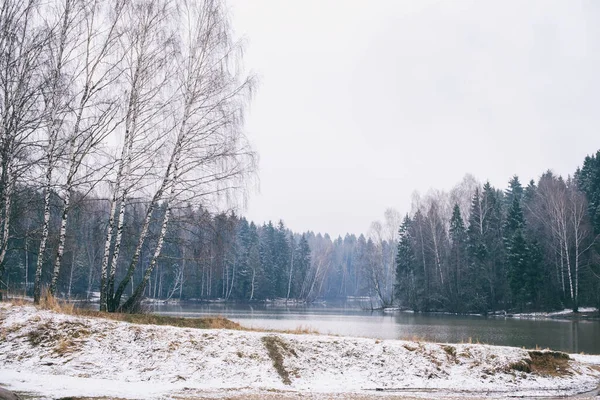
(21, 82)
(99, 46)
(55, 102)
(133, 302)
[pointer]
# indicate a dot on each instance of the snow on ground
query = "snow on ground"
(61, 355)
(566, 311)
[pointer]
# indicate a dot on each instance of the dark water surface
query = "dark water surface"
(565, 335)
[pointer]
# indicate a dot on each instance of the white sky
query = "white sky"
(360, 103)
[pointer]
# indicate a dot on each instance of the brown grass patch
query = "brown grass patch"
(450, 351)
(553, 363)
(19, 301)
(65, 346)
(49, 302)
(151, 319)
(274, 346)
(41, 334)
(65, 337)
(545, 362)
(521, 366)
(299, 330)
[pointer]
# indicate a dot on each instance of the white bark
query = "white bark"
(98, 48)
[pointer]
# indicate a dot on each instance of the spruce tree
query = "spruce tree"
(515, 190)
(405, 287)
(478, 255)
(458, 259)
(302, 265)
(588, 180)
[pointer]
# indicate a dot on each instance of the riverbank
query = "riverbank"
(56, 355)
(584, 313)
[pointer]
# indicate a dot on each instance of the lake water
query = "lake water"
(565, 335)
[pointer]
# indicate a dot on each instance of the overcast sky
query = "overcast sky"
(361, 103)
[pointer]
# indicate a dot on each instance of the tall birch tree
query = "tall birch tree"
(208, 154)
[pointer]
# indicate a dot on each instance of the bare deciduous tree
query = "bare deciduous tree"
(21, 45)
(207, 151)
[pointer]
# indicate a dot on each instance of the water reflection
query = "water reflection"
(349, 320)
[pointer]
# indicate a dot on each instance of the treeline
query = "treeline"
(474, 249)
(525, 248)
(204, 256)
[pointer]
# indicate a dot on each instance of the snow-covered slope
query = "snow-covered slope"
(64, 355)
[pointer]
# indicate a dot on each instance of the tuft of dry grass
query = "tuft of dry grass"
(19, 301)
(301, 330)
(415, 338)
(450, 351)
(42, 333)
(49, 302)
(64, 346)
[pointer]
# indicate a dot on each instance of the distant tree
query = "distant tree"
(588, 181)
(406, 266)
(302, 262)
(458, 261)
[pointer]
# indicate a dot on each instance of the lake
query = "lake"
(564, 335)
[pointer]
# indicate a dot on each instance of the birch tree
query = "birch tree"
(208, 153)
(93, 105)
(21, 46)
(146, 43)
(62, 27)
(563, 209)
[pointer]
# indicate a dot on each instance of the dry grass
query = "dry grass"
(450, 351)
(546, 363)
(42, 333)
(65, 346)
(471, 341)
(553, 363)
(299, 330)
(275, 347)
(19, 301)
(64, 338)
(415, 338)
(49, 302)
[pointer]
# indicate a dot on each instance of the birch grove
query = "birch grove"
(208, 154)
(22, 44)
